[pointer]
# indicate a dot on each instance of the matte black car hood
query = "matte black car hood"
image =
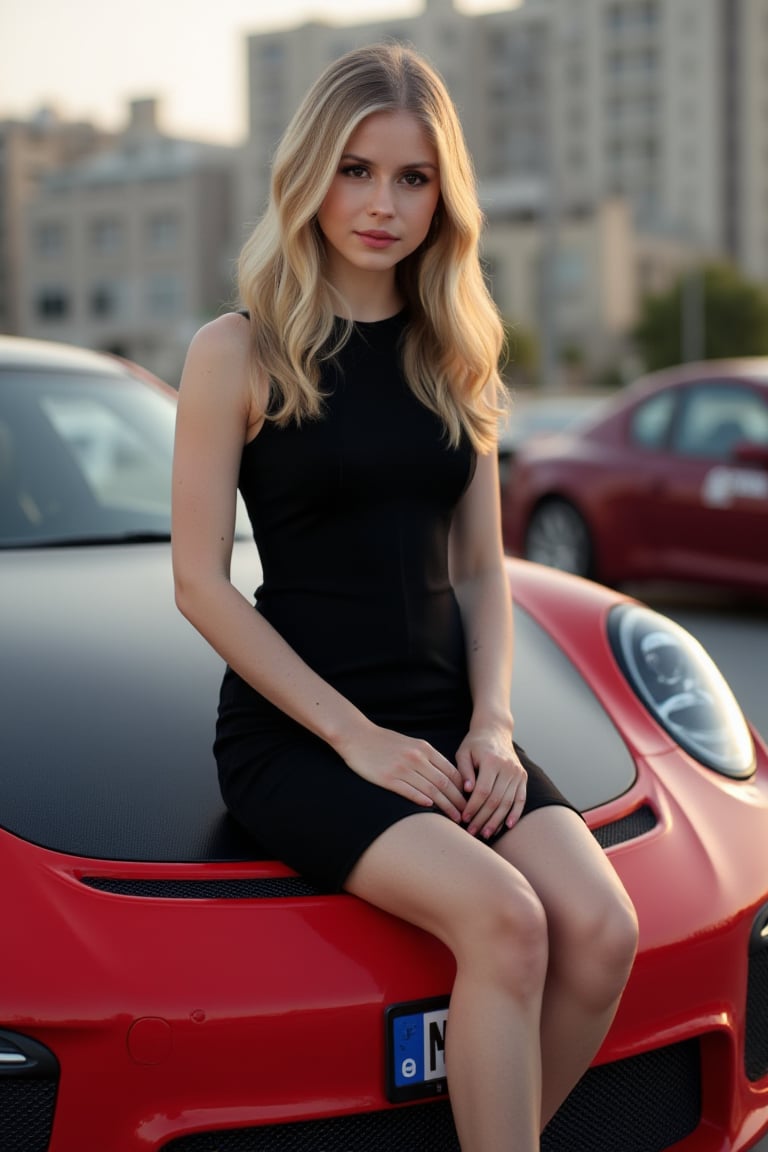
(109, 696)
(108, 699)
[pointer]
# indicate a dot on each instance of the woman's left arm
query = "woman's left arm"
(494, 777)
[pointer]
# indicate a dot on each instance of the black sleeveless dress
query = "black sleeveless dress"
(351, 514)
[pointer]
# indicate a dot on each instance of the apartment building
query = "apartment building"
(28, 150)
(747, 125)
(587, 307)
(130, 249)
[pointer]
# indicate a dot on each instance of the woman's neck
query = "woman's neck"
(366, 298)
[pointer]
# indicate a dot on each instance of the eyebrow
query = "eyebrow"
(403, 167)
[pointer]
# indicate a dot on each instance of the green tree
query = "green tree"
(520, 358)
(733, 318)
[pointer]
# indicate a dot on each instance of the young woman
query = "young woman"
(364, 732)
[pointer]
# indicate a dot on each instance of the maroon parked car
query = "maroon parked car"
(667, 481)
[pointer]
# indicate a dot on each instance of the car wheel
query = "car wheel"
(558, 537)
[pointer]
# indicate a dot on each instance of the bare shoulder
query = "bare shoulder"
(220, 362)
(223, 343)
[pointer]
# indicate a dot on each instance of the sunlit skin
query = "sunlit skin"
(379, 206)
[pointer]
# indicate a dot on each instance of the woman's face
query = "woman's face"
(380, 204)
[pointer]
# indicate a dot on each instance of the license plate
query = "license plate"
(415, 1046)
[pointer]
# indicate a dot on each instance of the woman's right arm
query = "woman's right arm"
(217, 407)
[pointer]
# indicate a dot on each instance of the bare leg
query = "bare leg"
(592, 941)
(429, 872)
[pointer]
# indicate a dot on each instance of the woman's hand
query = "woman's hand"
(494, 779)
(412, 768)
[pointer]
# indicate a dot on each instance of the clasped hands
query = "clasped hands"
(484, 790)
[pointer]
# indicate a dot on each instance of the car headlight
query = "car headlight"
(682, 688)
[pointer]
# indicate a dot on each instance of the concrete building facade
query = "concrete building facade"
(29, 150)
(130, 250)
(750, 121)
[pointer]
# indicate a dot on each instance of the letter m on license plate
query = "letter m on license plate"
(415, 1046)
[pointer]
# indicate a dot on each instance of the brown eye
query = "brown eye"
(414, 179)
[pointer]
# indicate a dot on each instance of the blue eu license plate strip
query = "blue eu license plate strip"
(415, 1046)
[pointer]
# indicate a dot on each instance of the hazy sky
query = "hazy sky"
(88, 58)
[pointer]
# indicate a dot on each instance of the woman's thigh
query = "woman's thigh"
(570, 873)
(432, 873)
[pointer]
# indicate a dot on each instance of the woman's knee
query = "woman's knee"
(602, 940)
(504, 936)
(619, 931)
(627, 925)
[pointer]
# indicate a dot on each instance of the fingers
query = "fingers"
(483, 790)
(497, 798)
(434, 779)
(466, 767)
(409, 766)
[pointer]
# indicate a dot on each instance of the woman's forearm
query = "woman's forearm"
(252, 647)
(486, 611)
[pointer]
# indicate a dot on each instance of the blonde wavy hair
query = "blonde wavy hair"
(454, 336)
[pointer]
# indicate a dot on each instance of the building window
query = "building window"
(165, 295)
(107, 234)
(650, 12)
(163, 231)
(642, 14)
(104, 300)
(50, 238)
(272, 51)
(614, 15)
(570, 273)
(52, 304)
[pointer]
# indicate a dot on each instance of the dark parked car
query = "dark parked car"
(668, 480)
(165, 987)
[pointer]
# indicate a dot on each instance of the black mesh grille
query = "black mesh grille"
(756, 1045)
(420, 1128)
(26, 1114)
(272, 887)
(627, 828)
(644, 1104)
(251, 888)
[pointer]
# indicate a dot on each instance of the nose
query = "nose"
(380, 200)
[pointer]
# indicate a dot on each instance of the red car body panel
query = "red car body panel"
(653, 513)
(177, 1016)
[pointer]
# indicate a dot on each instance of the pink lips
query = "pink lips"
(377, 239)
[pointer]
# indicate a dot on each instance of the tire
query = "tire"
(558, 537)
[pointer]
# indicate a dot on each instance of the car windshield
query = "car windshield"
(84, 458)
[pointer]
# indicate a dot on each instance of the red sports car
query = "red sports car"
(166, 988)
(668, 480)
